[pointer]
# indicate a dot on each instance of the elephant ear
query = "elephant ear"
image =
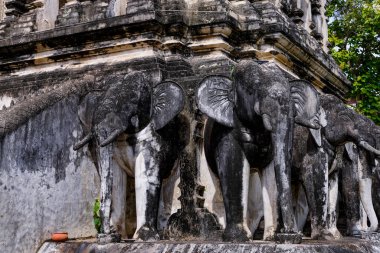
(168, 101)
(306, 103)
(87, 108)
(215, 98)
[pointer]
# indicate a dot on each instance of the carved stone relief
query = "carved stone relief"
(262, 133)
(122, 124)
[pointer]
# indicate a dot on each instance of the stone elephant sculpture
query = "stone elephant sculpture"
(376, 173)
(314, 160)
(123, 124)
(357, 185)
(250, 125)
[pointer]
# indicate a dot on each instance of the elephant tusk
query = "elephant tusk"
(83, 142)
(301, 121)
(365, 186)
(111, 138)
(368, 147)
(267, 123)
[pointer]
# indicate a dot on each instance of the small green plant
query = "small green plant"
(232, 69)
(96, 215)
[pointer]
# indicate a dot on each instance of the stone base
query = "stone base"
(108, 238)
(286, 238)
(347, 245)
(200, 224)
(372, 236)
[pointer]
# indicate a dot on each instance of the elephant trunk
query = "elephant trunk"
(282, 139)
(369, 148)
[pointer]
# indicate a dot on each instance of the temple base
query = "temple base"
(346, 245)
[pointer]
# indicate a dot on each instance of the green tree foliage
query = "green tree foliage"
(354, 34)
(96, 215)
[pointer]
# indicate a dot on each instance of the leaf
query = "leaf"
(96, 215)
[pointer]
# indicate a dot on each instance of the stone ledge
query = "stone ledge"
(347, 245)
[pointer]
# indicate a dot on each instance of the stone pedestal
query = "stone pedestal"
(109, 238)
(349, 245)
(286, 238)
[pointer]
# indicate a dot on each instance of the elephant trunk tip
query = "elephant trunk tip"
(309, 124)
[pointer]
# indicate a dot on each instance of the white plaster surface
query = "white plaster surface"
(255, 202)
(5, 101)
(47, 15)
(213, 195)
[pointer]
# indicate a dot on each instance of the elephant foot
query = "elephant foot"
(269, 235)
(357, 233)
(331, 234)
(236, 233)
(147, 233)
(109, 238)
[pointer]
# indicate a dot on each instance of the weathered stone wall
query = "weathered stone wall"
(38, 97)
(45, 185)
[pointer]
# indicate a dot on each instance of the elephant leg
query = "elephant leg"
(147, 187)
(315, 182)
(363, 218)
(168, 196)
(332, 217)
(270, 205)
(233, 170)
(106, 182)
(350, 192)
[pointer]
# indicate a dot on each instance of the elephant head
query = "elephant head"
(128, 106)
(366, 159)
(261, 99)
(251, 93)
(345, 125)
(340, 125)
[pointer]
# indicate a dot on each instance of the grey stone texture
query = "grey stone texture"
(45, 185)
(344, 246)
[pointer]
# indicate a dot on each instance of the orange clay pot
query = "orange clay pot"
(59, 236)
